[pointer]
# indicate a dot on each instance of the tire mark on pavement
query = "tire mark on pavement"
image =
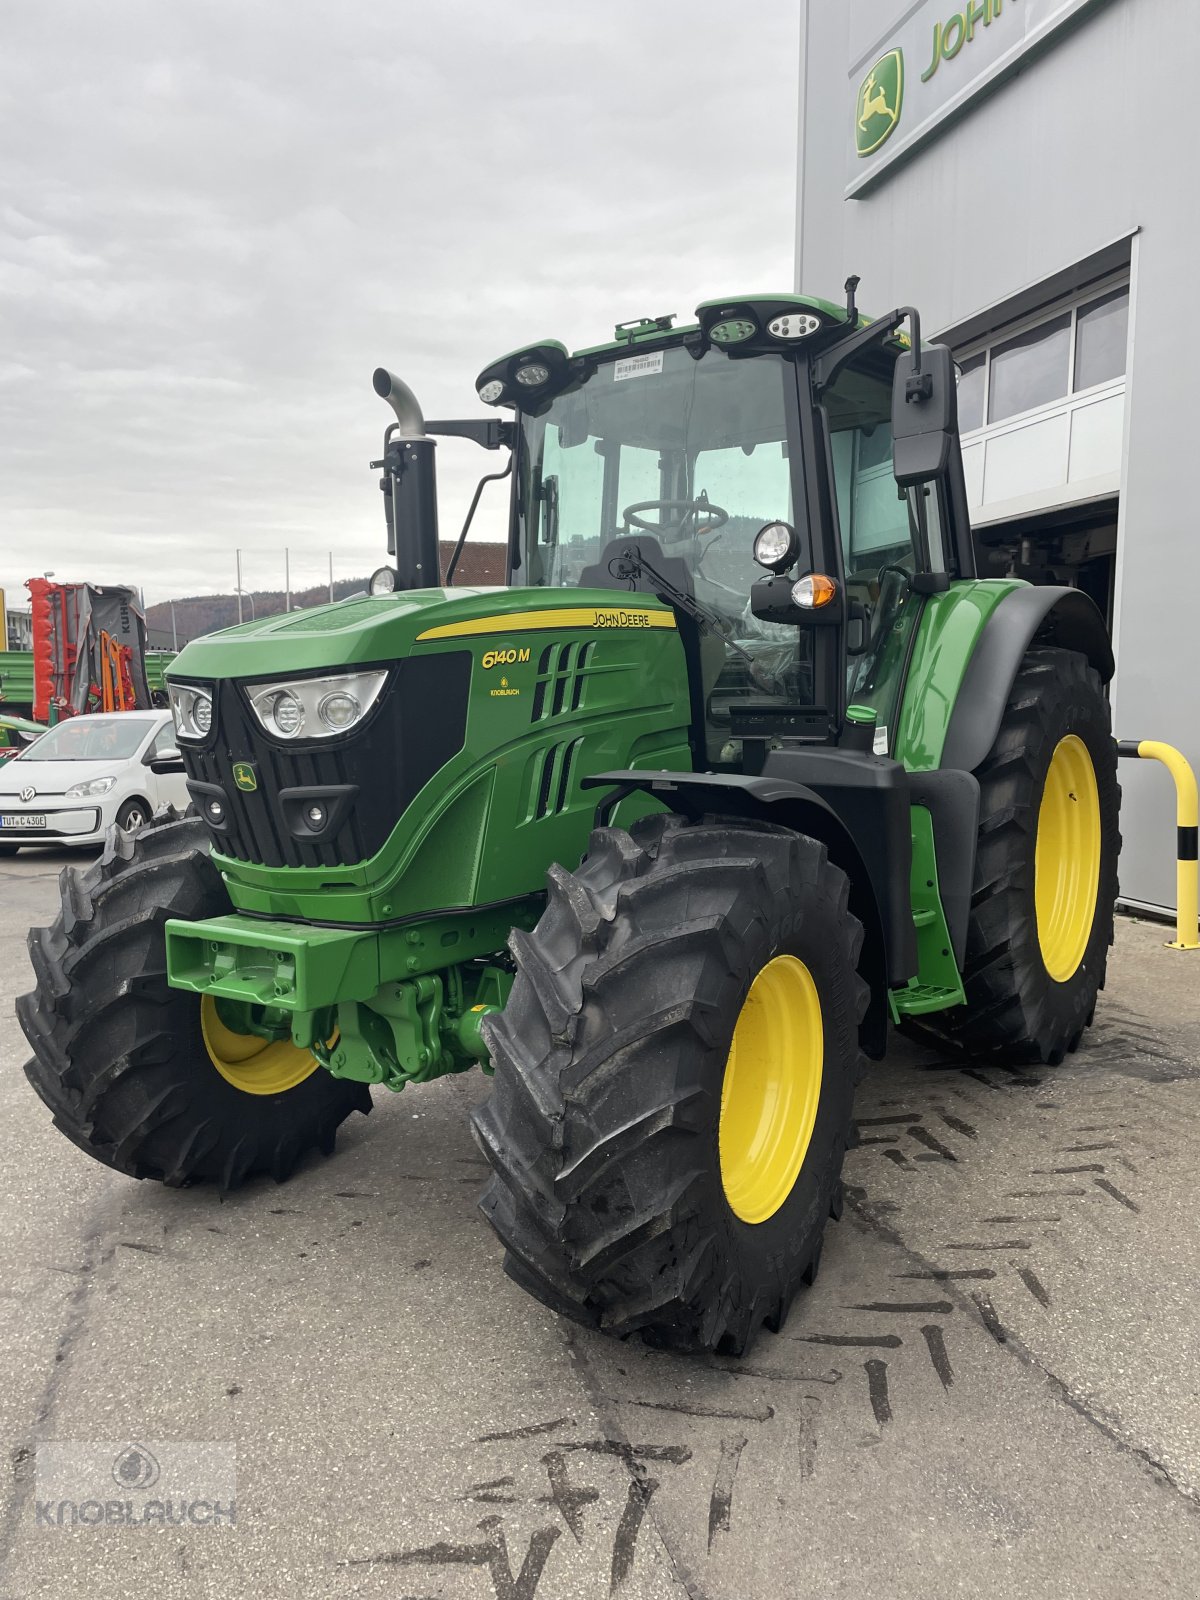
(936, 1345)
(720, 1505)
(1015, 1347)
(877, 1388)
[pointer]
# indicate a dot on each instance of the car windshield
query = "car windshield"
(90, 738)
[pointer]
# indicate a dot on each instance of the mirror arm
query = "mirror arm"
(829, 363)
(919, 384)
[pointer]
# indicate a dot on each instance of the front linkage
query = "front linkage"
(376, 1006)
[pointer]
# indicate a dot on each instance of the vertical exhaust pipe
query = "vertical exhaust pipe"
(409, 485)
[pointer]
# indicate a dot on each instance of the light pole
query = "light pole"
(174, 629)
(238, 584)
(287, 580)
(249, 596)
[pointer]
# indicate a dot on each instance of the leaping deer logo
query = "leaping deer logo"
(874, 103)
(879, 101)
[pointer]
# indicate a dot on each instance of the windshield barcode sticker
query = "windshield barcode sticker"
(637, 366)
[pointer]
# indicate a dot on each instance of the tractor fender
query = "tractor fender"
(1051, 614)
(791, 805)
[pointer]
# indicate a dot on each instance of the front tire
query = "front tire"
(674, 1081)
(134, 1071)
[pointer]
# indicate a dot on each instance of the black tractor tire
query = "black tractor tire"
(1013, 1005)
(119, 1057)
(610, 1056)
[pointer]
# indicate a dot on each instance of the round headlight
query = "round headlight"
(339, 710)
(288, 714)
(491, 391)
(776, 546)
(383, 580)
(532, 374)
(202, 713)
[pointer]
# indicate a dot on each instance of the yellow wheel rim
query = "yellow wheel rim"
(771, 1089)
(251, 1064)
(1066, 873)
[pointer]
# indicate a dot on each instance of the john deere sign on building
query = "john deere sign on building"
(934, 64)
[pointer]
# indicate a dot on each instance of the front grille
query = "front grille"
(417, 726)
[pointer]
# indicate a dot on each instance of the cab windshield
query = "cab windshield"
(687, 458)
(690, 452)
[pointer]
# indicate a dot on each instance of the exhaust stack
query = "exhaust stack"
(409, 485)
(409, 419)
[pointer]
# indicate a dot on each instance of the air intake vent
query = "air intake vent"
(562, 669)
(551, 788)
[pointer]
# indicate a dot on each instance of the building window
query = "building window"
(1101, 334)
(1031, 370)
(972, 373)
(1077, 349)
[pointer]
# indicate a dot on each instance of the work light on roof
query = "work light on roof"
(733, 330)
(533, 374)
(793, 325)
(490, 392)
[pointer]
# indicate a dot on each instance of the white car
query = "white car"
(70, 785)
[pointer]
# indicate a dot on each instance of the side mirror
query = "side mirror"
(924, 415)
(168, 762)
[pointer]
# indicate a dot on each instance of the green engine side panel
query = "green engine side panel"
(563, 684)
(947, 634)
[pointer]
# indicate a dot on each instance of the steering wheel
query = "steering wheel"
(716, 516)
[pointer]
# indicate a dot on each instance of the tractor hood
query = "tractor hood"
(382, 628)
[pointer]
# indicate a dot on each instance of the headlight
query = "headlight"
(81, 791)
(192, 710)
(316, 708)
(383, 580)
(776, 546)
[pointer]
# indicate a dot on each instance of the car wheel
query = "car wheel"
(133, 816)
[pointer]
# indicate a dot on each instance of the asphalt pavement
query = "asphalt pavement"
(990, 1391)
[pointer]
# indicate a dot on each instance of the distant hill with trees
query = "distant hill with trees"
(482, 564)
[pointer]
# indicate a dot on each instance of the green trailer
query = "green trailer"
(745, 766)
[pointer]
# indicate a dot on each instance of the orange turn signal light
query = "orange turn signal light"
(813, 591)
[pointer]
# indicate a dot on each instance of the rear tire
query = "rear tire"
(119, 1056)
(1014, 1003)
(617, 1169)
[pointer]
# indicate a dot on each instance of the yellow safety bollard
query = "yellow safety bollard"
(1187, 822)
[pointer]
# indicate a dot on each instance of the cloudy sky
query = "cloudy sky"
(217, 217)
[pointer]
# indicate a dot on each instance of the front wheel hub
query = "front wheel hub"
(771, 1089)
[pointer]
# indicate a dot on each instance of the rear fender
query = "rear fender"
(1044, 614)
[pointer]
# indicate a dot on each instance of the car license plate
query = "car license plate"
(32, 819)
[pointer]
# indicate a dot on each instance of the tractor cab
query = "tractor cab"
(741, 469)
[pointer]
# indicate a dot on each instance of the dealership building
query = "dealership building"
(1021, 172)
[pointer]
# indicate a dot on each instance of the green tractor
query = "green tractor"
(743, 764)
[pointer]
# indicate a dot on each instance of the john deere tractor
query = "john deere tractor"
(742, 765)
